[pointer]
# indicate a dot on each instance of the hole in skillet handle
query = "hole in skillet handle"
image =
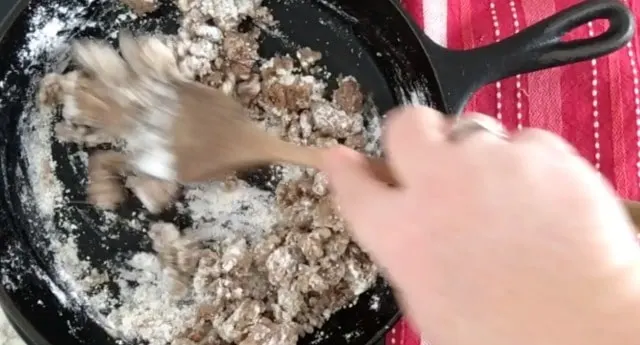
(540, 46)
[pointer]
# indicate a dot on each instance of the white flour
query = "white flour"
(41, 167)
(45, 38)
(148, 309)
(227, 13)
(217, 213)
(374, 303)
(144, 309)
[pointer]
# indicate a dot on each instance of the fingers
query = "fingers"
(494, 132)
(547, 145)
(357, 192)
(411, 129)
(543, 139)
(421, 128)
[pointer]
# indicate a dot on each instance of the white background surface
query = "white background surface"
(7, 335)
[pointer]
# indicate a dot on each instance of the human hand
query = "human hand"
(494, 241)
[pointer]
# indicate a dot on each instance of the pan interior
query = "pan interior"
(43, 181)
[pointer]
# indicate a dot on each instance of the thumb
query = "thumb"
(362, 199)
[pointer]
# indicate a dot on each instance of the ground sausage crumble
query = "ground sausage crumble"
(290, 282)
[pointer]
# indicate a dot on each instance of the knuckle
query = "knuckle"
(412, 126)
(544, 141)
(409, 118)
(482, 117)
(541, 136)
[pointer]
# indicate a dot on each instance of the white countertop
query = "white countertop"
(7, 335)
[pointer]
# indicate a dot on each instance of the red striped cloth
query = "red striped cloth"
(594, 104)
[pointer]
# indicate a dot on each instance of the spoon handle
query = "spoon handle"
(312, 157)
(633, 210)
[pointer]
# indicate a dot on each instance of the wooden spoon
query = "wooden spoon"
(231, 141)
(633, 209)
(183, 131)
(207, 144)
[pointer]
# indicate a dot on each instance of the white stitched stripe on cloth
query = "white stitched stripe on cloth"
(434, 14)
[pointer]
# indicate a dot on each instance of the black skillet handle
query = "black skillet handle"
(537, 47)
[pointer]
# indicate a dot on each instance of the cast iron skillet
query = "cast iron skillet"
(373, 40)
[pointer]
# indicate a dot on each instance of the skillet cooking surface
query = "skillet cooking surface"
(34, 216)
